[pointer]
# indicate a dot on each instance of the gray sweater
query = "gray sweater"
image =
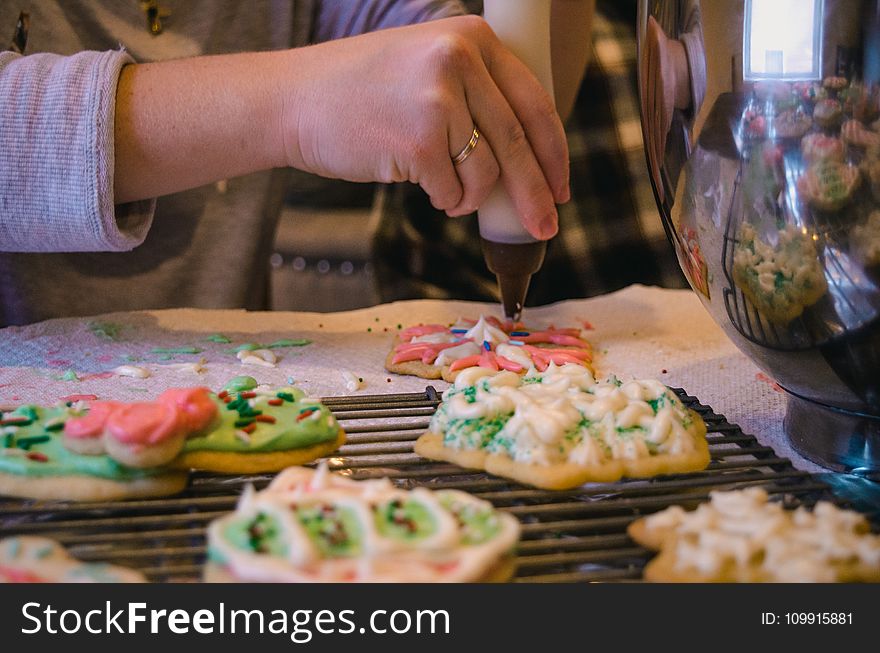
(65, 248)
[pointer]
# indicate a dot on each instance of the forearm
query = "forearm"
(184, 123)
(571, 23)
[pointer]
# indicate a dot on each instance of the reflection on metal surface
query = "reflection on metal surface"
(765, 158)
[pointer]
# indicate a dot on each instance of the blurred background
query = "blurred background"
(341, 245)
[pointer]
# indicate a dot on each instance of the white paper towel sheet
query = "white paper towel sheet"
(638, 332)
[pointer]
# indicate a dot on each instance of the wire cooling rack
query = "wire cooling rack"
(570, 536)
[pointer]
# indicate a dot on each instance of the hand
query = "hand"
(396, 105)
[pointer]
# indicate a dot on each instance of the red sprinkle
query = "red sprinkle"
(16, 419)
(275, 402)
(304, 414)
(223, 394)
(227, 400)
(39, 457)
(79, 398)
(247, 395)
(265, 418)
(249, 428)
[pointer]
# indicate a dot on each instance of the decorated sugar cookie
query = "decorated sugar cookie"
(314, 526)
(434, 351)
(29, 559)
(558, 429)
(740, 536)
(104, 450)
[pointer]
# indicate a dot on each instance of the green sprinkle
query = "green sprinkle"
(243, 422)
(176, 350)
(248, 346)
(27, 443)
(8, 441)
(30, 412)
(369, 329)
(288, 342)
(399, 326)
(54, 426)
(247, 411)
(286, 396)
(240, 384)
(218, 337)
(235, 404)
(69, 375)
(106, 330)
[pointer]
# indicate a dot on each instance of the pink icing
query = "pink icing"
(145, 423)
(197, 410)
(421, 330)
(91, 425)
(427, 352)
(13, 575)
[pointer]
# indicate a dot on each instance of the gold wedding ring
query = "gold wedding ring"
(467, 149)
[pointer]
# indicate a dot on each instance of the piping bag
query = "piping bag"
(511, 252)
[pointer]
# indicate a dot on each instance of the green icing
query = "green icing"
(404, 520)
(240, 384)
(259, 534)
(34, 438)
(334, 530)
(69, 375)
(106, 330)
(478, 523)
(289, 342)
(176, 350)
(286, 433)
(218, 337)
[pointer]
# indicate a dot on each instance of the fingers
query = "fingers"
(522, 174)
(478, 172)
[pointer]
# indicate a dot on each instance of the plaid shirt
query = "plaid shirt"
(610, 234)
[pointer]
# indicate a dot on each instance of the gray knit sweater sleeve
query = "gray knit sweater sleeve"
(56, 156)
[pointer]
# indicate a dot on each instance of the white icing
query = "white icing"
(452, 354)
(436, 338)
(514, 353)
(352, 382)
(563, 415)
(482, 332)
(198, 367)
(259, 357)
(49, 561)
(765, 542)
(441, 555)
(133, 371)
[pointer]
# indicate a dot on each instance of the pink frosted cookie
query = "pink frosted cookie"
(819, 147)
(435, 351)
(30, 559)
(856, 134)
(827, 113)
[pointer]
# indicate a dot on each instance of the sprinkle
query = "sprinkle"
(519, 333)
(8, 441)
(249, 428)
(27, 443)
(176, 350)
(286, 396)
(38, 457)
(369, 329)
(290, 380)
(223, 394)
(487, 346)
(459, 330)
(519, 343)
(74, 398)
(275, 402)
(388, 380)
(54, 424)
(227, 400)
(17, 420)
(247, 394)
(268, 419)
(132, 371)
(399, 326)
(243, 422)
(377, 319)
(304, 413)
(218, 337)
(289, 342)
(69, 375)
(243, 436)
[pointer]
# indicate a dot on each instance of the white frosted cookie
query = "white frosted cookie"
(829, 185)
(782, 279)
(314, 526)
(434, 351)
(740, 536)
(29, 559)
(558, 429)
